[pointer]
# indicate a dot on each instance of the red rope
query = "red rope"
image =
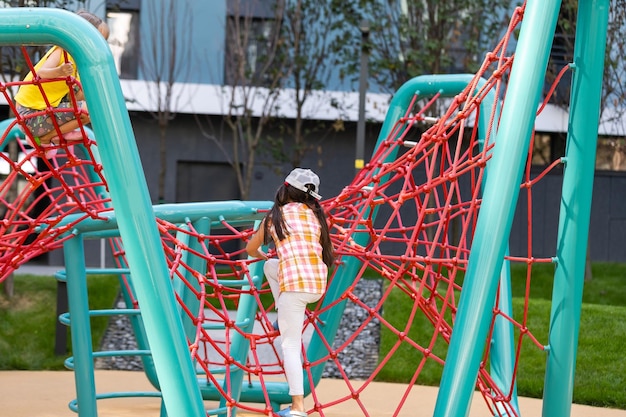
(418, 244)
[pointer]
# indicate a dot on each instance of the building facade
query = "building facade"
(192, 37)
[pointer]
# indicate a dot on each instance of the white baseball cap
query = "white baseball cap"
(300, 177)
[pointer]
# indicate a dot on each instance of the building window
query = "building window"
(248, 44)
(123, 21)
(542, 151)
(611, 154)
(548, 147)
(124, 42)
(251, 30)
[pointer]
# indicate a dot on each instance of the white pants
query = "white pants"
(290, 307)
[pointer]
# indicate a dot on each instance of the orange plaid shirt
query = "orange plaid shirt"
(301, 267)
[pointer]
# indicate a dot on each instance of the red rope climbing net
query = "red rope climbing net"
(408, 217)
(38, 193)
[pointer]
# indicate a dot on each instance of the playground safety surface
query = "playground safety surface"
(47, 394)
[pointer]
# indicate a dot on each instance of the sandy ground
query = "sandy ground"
(47, 394)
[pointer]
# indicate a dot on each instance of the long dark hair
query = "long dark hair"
(288, 194)
(90, 17)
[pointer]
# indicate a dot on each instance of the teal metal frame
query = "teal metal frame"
(136, 221)
(501, 192)
(129, 192)
(573, 231)
(209, 217)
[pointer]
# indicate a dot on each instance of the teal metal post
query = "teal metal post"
(236, 213)
(82, 348)
(240, 345)
(573, 231)
(496, 215)
(128, 189)
(195, 263)
(502, 355)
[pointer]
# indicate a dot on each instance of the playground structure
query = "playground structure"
(183, 273)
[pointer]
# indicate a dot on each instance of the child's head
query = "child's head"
(98, 23)
(301, 185)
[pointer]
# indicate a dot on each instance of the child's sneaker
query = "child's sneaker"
(49, 153)
(74, 135)
(288, 412)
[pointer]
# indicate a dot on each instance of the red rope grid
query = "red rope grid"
(35, 201)
(435, 180)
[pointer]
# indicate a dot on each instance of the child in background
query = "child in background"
(56, 63)
(297, 226)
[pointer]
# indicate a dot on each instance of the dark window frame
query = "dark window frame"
(129, 57)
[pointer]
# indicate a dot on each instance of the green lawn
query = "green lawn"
(28, 320)
(601, 369)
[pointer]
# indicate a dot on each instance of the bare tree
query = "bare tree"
(164, 63)
(255, 72)
(277, 55)
(613, 105)
(310, 33)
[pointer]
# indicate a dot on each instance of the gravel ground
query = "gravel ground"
(358, 359)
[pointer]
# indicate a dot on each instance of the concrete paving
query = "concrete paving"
(38, 269)
(47, 394)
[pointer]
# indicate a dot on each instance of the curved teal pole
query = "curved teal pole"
(127, 186)
(447, 85)
(13, 134)
(575, 209)
(497, 210)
